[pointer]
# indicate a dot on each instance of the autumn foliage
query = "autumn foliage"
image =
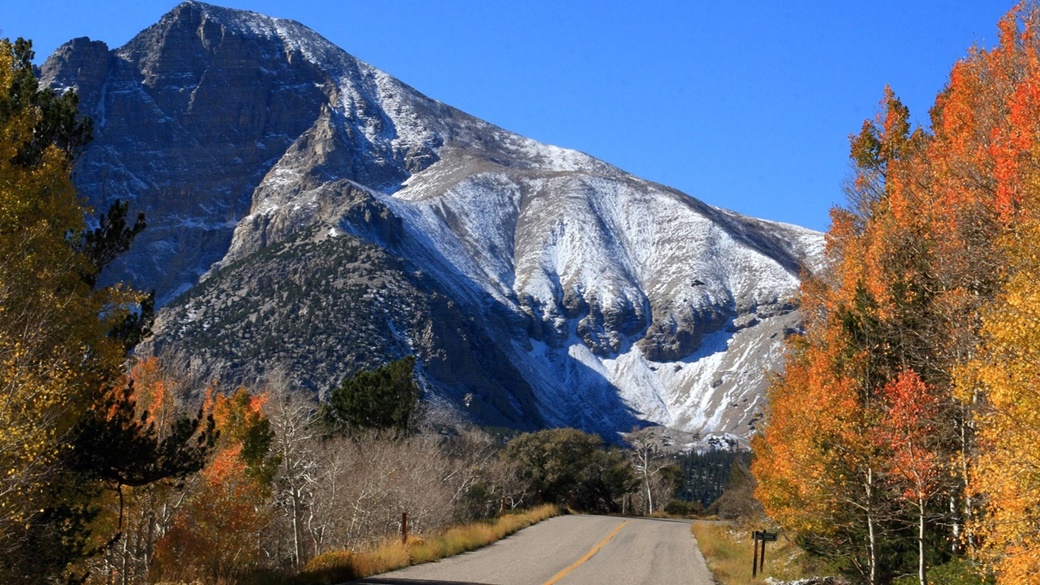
(62, 338)
(218, 525)
(902, 433)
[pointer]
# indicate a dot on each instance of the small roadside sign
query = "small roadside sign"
(763, 537)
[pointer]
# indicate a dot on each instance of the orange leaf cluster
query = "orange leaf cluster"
(229, 505)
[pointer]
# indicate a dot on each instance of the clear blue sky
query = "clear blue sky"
(744, 105)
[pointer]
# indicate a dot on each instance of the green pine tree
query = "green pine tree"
(385, 398)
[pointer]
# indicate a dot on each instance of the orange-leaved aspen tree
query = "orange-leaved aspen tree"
(999, 380)
(990, 117)
(910, 262)
(219, 525)
(818, 471)
(909, 435)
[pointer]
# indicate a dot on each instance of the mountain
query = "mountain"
(311, 215)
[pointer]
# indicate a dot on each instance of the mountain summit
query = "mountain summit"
(311, 215)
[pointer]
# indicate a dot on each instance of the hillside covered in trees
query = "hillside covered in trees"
(919, 452)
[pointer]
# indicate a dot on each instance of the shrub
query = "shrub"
(340, 566)
(328, 568)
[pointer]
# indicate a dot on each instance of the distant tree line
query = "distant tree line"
(286, 479)
(706, 475)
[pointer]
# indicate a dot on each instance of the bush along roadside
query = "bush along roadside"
(339, 566)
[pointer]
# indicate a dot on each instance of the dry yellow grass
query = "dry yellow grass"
(728, 549)
(393, 554)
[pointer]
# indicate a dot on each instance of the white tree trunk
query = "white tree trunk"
(649, 496)
(870, 527)
(920, 541)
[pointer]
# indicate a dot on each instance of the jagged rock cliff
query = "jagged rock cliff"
(311, 214)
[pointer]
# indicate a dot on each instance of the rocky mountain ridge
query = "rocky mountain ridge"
(309, 213)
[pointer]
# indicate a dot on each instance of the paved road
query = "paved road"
(573, 550)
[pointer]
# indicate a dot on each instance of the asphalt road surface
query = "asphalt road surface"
(573, 550)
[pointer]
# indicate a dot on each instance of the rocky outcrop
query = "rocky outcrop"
(188, 118)
(82, 63)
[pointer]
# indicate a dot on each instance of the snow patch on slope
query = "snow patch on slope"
(538, 241)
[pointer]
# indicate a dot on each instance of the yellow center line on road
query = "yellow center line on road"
(587, 556)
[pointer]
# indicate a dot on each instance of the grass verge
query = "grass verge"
(728, 549)
(339, 566)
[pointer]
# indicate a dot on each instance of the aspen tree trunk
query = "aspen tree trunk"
(297, 529)
(649, 495)
(920, 540)
(870, 527)
(967, 449)
(125, 569)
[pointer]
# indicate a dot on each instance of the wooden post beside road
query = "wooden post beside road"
(763, 537)
(754, 554)
(404, 527)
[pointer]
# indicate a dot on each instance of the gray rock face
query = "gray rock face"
(311, 214)
(189, 116)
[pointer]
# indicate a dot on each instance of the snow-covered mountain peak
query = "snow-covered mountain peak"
(323, 201)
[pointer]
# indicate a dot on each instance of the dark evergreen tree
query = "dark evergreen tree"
(386, 398)
(58, 123)
(706, 476)
(110, 239)
(115, 444)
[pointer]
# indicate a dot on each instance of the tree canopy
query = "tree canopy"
(68, 422)
(568, 466)
(385, 398)
(918, 334)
